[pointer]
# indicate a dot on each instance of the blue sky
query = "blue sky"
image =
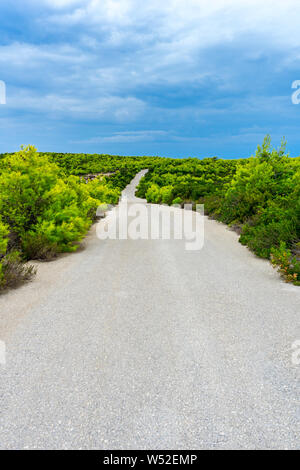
(171, 78)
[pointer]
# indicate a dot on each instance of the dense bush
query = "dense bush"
(3, 238)
(259, 196)
(286, 263)
(3, 247)
(43, 210)
(264, 198)
(37, 202)
(12, 269)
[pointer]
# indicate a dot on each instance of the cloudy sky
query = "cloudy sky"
(162, 77)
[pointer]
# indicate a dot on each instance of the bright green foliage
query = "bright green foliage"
(263, 178)
(25, 178)
(66, 217)
(177, 201)
(3, 238)
(36, 201)
(259, 195)
(47, 206)
(263, 197)
(3, 247)
(159, 195)
(103, 190)
(46, 211)
(287, 264)
(189, 179)
(12, 269)
(153, 194)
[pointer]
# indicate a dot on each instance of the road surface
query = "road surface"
(144, 345)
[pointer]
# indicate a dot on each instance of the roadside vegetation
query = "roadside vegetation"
(45, 209)
(48, 201)
(259, 197)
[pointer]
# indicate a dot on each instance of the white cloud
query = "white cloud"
(127, 137)
(31, 55)
(109, 108)
(123, 44)
(60, 4)
(188, 24)
(159, 42)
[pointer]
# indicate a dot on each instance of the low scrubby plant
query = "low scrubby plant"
(44, 211)
(13, 271)
(286, 263)
(47, 211)
(259, 197)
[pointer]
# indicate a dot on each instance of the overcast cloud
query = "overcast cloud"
(175, 78)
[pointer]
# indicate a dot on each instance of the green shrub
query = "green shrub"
(166, 194)
(13, 271)
(259, 196)
(287, 265)
(3, 238)
(269, 228)
(36, 245)
(153, 194)
(25, 178)
(3, 247)
(47, 211)
(101, 191)
(212, 205)
(177, 201)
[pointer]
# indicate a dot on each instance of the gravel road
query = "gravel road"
(144, 345)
